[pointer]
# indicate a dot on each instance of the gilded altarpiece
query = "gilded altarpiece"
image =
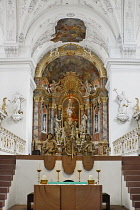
(71, 92)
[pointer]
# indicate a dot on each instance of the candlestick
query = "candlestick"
(98, 171)
(38, 170)
(58, 174)
(79, 174)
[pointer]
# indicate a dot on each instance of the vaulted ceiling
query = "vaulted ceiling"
(30, 24)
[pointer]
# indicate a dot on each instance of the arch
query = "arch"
(62, 51)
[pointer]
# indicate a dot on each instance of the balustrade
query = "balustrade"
(11, 143)
(127, 144)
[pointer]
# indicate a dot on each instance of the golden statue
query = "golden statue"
(88, 146)
(137, 106)
(69, 146)
(4, 106)
(50, 146)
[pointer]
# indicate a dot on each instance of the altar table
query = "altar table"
(67, 197)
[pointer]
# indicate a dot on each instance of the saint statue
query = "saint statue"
(83, 123)
(50, 146)
(88, 147)
(17, 103)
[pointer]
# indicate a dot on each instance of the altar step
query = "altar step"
(131, 172)
(7, 170)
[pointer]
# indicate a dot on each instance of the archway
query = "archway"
(66, 75)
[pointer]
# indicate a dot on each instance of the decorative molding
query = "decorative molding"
(11, 51)
(11, 20)
(129, 21)
(129, 51)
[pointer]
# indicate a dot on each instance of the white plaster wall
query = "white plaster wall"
(16, 77)
(27, 177)
(124, 76)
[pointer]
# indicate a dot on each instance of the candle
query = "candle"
(44, 177)
(79, 166)
(98, 165)
(90, 177)
(58, 165)
(39, 164)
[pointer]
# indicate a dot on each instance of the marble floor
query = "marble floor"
(21, 207)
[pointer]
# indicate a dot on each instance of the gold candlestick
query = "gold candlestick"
(38, 170)
(98, 171)
(58, 174)
(79, 174)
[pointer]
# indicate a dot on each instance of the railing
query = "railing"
(127, 144)
(11, 143)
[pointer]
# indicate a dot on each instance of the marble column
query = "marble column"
(89, 122)
(51, 118)
(104, 119)
(37, 118)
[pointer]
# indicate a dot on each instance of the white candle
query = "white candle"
(98, 165)
(79, 166)
(39, 164)
(90, 177)
(44, 177)
(58, 165)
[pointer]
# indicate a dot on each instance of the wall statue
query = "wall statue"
(123, 103)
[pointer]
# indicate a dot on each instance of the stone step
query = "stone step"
(135, 197)
(7, 161)
(7, 166)
(131, 172)
(3, 196)
(131, 160)
(134, 190)
(132, 178)
(4, 189)
(4, 172)
(2, 203)
(6, 177)
(133, 184)
(7, 156)
(5, 183)
(136, 204)
(130, 167)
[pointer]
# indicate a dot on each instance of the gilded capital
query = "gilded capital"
(104, 99)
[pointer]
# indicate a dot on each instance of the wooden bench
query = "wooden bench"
(30, 199)
(106, 199)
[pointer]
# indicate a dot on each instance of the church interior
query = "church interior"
(69, 104)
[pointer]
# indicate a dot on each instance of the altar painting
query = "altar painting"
(71, 110)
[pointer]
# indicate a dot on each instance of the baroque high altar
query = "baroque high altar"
(71, 102)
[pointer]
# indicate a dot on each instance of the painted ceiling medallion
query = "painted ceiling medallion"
(69, 30)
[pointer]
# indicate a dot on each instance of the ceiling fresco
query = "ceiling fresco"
(58, 68)
(69, 30)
